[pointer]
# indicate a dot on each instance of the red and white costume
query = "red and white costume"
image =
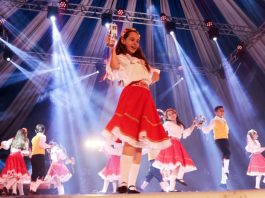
(256, 165)
(135, 120)
(58, 173)
(175, 155)
(15, 167)
(111, 172)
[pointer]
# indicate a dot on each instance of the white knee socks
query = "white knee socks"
(126, 162)
(133, 174)
(258, 178)
(105, 186)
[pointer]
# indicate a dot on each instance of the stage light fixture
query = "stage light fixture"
(120, 12)
(63, 5)
(52, 12)
(170, 27)
(8, 54)
(106, 19)
(163, 17)
(240, 50)
(213, 31)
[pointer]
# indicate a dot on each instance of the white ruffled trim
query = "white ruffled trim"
(142, 143)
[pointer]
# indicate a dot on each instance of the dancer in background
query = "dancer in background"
(154, 172)
(135, 121)
(256, 165)
(174, 160)
(221, 135)
(15, 173)
(37, 158)
(58, 173)
(111, 172)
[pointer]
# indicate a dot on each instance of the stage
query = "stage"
(224, 194)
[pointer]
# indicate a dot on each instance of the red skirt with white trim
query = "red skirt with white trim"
(58, 172)
(174, 156)
(15, 168)
(256, 165)
(111, 171)
(136, 120)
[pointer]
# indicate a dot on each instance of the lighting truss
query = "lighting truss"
(248, 43)
(93, 61)
(86, 11)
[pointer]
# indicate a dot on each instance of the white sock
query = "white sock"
(60, 189)
(105, 186)
(14, 188)
(144, 185)
(164, 186)
(180, 173)
(10, 183)
(226, 165)
(133, 174)
(125, 165)
(114, 186)
(263, 179)
(32, 186)
(258, 178)
(20, 188)
(172, 184)
(224, 176)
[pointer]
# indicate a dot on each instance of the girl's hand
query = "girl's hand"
(155, 77)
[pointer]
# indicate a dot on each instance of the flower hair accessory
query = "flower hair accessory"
(128, 30)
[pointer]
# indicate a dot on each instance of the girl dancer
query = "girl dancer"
(135, 122)
(15, 172)
(58, 173)
(256, 165)
(111, 172)
(174, 160)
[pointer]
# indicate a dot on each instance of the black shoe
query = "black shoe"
(131, 190)
(5, 191)
(182, 182)
(122, 189)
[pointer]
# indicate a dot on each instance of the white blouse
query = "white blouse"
(7, 144)
(131, 69)
(253, 147)
(177, 131)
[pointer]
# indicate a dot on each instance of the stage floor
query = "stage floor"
(223, 194)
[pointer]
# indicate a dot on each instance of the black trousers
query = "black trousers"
(38, 167)
(223, 145)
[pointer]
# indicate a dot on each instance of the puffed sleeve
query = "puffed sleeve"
(6, 144)
(253, 147)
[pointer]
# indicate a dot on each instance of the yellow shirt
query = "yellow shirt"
(36, 148)
(220, 129)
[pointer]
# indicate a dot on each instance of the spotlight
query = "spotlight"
(8, 54)
(213, 31)
(240, 50)
(106, 19)
(163, 17)
(2, 20)
(52, 12)
(120, 12)
(63, 5)
(170, 27)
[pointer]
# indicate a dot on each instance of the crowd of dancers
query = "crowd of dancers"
(134, 127)
(15, 174)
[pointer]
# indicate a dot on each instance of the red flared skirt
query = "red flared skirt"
(58, 171)
(111, 171)
(174, 156)
(136, 120)
(256, 165)
(15, 168)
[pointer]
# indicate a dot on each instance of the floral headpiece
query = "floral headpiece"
(124, 31)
